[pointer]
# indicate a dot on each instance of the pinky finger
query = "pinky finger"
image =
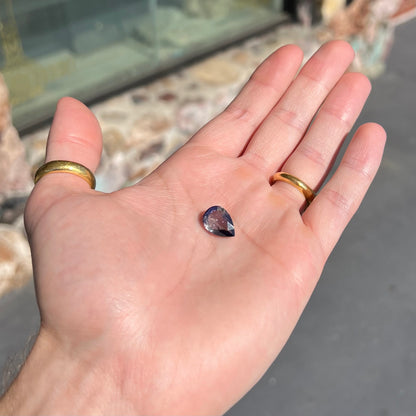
(340, 198)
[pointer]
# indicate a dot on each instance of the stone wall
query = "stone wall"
(15, 185)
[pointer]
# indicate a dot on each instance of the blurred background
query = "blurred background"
(154, 72)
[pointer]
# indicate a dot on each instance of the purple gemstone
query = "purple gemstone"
(218, 221)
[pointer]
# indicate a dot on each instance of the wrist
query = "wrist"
(52, 381)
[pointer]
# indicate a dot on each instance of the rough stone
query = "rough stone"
(112, 173)
(139, 98)
(12, 208)
(154, 148)
(114, 116)
(365, 24)
(330, 8)
(216, 71)
(147, 129)
(241, 57)
(113, 141)
(361, 17)
(35, 146)
(143, 169)
(14, 170)
(192, 115)
(4, 105)
(168, 96)
(15, 260)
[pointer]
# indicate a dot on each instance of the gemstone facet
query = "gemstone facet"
(218, 221)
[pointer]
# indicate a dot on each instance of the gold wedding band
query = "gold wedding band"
(301, 186)
(66, 167)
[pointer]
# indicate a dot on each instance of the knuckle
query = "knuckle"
(314, 155)
(290, 118)
(238, 114)
(339, 201)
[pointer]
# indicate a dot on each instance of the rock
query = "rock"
(383, 10)
(241, 57)
(142, 169)
(112, 173)
(365, 24)
(154, 148)
(352, 20)
(147, 130)
(139, 98)
(167, 96)
(35, 145)
(361, 16)
(174, 141)
(113, 141)
(330, 8)
(15, 259)
(192, 115)
(12, 208)
(114, 116)
(4, 105)
(216, 71)
(14, 169)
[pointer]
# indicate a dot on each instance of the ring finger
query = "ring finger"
(314, 155)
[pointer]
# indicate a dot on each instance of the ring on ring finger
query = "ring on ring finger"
(301, 186)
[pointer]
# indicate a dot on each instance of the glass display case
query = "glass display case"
(86, 49)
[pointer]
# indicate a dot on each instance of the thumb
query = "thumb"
(75, 136)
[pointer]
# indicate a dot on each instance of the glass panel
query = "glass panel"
(88, 48)
(185, 27)
(51, 48)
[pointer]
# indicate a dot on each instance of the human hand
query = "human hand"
(142, 310)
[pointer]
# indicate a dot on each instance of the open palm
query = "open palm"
(179, 320)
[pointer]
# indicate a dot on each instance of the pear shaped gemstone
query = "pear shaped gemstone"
(218, 221)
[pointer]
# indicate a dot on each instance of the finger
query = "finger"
(75, 136)
(340, 198)
(286, 124)
(229, 132)
(314, 156)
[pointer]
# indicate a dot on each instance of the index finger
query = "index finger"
(230, 131)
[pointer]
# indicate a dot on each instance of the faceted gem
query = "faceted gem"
(218, 221)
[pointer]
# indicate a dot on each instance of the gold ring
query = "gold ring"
(66, 167)
(296, 182)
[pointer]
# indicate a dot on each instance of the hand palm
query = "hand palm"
(166, 276)
(135, 279)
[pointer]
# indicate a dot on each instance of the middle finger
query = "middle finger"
(287, 123)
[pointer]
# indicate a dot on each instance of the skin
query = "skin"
(142, 310)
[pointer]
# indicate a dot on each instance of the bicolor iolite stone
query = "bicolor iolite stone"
(218, 221)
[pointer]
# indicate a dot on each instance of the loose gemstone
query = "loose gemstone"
(218, 221)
